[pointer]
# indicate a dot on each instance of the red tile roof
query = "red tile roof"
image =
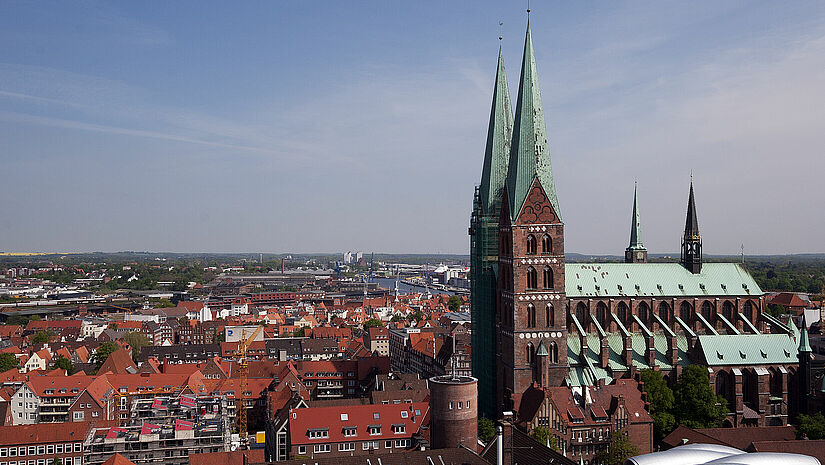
(118, 459)
(43, 433)
(335, 419)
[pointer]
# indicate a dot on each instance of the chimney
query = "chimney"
(499, 446)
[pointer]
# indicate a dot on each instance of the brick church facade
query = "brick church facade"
(541, 323)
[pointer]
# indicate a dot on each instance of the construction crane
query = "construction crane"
(243, 368)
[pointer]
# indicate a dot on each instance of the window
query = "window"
(68, 460)
(77, 416)
(365, 445)
(3, 452)
(302, 450)
(318, 433)
(78, 447)
(405, 414)
(402, 442)
(549, 315)
(531, 316)
(531, 245)
(451, 406)
(546, 244)
(548, 277)
(388, 444)
(321, 448)
(468, 404)
(532, 278)
(350, 432)
(12, 452)
(401, 429)
(50, 449)
(346, 446)
(529, 353)
(59, 448)
(32, 450)
(374, 430)
(41, 450)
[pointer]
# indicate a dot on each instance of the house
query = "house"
(43, 444)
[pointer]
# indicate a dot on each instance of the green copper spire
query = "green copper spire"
(804, 343)
(529, 154)
(496, 155)
(636, 227)
(542, 351)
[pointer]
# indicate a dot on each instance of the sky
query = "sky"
(328, 126)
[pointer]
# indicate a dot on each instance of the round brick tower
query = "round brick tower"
(453, 411)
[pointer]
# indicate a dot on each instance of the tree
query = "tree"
(811, 426)
(64, 364)
(7, 361)
(454, 303)
(42, 337)
(300, 332)
(542, 435)
(218, 337)
(415, 316)
(397, 318)
(696, 406)
(486, 429)
(137, 340)
(103, 352)
(373, 323)
(661, 401)
(618, 450)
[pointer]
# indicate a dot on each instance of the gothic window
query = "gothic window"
(581, 313)
(684, 312)
(531, 245)
(749, 310)
(623, 313)
(531, 316)
(547, 244)
(601, 313)
(664, 312)
(548, 277)
(554, 352)
(550, 315)
(727, 311)
(724, 387)
(529, 353)
(532, 278)
(644, 313)
(706, 310)
(775, 382)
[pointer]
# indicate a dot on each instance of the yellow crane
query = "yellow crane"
(243, 368)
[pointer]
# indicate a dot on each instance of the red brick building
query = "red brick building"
(41, 444)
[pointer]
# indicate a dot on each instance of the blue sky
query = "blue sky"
(328, 126)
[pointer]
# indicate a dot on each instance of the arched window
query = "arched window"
(727, 311)
(644, 313)
(749, 310)
(532, 278)
(529, 353)
(601, 313)
(550, 315)
(548, 277)
(664, 312)
(724, 387)
(581, 313)
(706, 310)
(531, 316)
(531, 245)
(623, 314)
(684, 312)
(547, 244)
(554, 352)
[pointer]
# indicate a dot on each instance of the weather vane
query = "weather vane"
(500, 33)
(528, 7)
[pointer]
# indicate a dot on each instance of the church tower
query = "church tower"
(804, 355)
(636, 252)
(484, 242)
(531, 310)
(692, 240)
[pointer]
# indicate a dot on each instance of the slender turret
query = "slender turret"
(636, 252)
(692, 240)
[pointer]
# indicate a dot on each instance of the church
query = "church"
(539, 323)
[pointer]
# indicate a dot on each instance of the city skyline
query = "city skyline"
(129, 128)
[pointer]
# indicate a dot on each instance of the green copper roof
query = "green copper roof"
(657, 280)
(497, 153)
(529, 153)
(636, 227)
(804, 343)
(747, 349)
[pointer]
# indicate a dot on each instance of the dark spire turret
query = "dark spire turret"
(804, 355)
(692, 240)
(636, 252)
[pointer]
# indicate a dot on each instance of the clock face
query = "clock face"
(640, 255)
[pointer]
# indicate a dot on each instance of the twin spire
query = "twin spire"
(517, 152)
